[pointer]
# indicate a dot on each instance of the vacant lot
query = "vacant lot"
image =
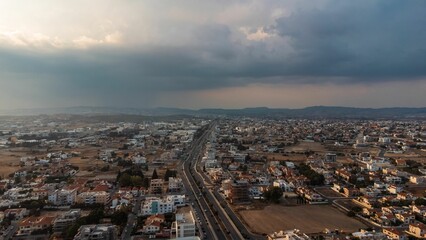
(9, 162)
(307, 218)
(87, 163)
(307, 146)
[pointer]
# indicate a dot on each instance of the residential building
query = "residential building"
(88, 198)
(66, 219)
(184, 226)
(156, 186)
(175, 184)
(154, 205)
(239, 192)
(417, 230)
(27, 225)
(62, 197)
(288, 235)
(97, 232)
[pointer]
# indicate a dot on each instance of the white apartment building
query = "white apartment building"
(184, 226)
(61, 197)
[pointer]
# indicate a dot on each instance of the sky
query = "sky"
(209, 54)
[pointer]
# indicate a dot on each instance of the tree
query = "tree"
(169, 173)
(125, 180)
(137, 181)
(274, 194)
(145, 183)
(154, 174)
(420, 201)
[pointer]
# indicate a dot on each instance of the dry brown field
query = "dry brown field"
(307, 146)
(86, 163)
(9, 162)
(307, 218)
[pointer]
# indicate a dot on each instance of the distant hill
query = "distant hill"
(308, 112)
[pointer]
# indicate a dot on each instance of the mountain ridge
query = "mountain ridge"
(307, 112)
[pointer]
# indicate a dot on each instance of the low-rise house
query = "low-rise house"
(288, 235)
(405, 218)
(351, 192)
(419, 210)
(153, 223)
(394, 234)
(384, 219)
(405, 196)
(417, 229)
(417, 179)
(394, 189)
(284, 185)
(30, 224)
(16, 213)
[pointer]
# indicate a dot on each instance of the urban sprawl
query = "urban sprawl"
(106, 177)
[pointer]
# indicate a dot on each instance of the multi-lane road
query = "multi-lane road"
(217, 219)
(214, 217)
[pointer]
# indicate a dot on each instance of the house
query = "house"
(384, 219)
(419, 210)
(351, 192)
(416, 179)
(406, 196)
(153, 223)
(284, 185)
(16, 213)
(405, 218)
(394, 189)
(344, 174)
(395, 234)
(417, 229)
(291, 234)
(370, 211)
(27, 225)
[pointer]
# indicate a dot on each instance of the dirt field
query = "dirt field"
(307, 146)
(9, 162)
(307, 218)
(86, 164)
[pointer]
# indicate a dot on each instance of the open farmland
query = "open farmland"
(275, 218)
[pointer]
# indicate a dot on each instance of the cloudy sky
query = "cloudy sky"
(195, 54)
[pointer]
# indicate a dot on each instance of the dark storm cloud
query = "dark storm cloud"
(343, 41)
(364, 40)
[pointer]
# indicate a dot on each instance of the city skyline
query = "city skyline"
(227, 54)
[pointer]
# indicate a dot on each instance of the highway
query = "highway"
(209, 226)
(223, 222)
